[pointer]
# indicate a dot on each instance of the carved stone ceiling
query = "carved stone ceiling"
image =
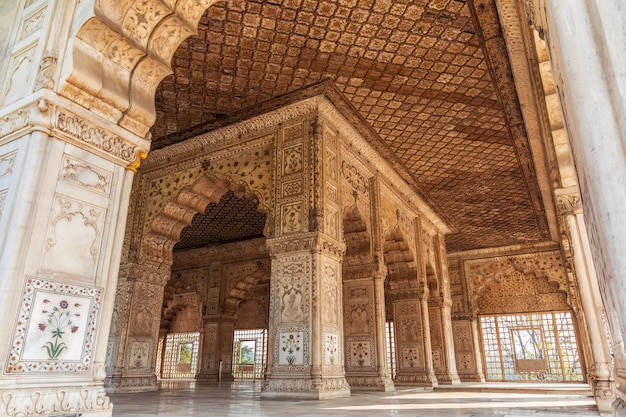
(414, 70)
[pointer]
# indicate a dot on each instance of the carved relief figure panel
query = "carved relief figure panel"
(291, 288)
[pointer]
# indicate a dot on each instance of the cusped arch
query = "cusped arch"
(177, 297)
(357, 238)
(122, 51)
(166, 227)
(401, 266)
(239, 292)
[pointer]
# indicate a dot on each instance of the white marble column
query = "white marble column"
(600, 372)
(586, 39)
(64, 204)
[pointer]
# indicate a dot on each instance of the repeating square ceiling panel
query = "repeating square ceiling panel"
(413, 69)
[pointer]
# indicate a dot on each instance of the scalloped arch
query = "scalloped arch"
(399, 260)
(165, 229)
(122, 51)
(239, 292)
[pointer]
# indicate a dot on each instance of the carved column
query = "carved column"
(600, 375)
(65, 181)
(364, 318)
(411, 323)
(477, 348)
(305, 327)
(136, 354)
(63, 204)
(217, 348)
(596, 130)
(450, 374)
(428, 347)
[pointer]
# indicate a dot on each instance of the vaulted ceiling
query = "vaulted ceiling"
(418, 72)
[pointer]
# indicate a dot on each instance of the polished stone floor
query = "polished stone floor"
(182, 399)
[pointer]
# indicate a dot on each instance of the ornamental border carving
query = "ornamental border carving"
(95, 136)
(46, 401)
(232, 134)
(14, 121)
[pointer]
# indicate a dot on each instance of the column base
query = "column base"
(448, 379)
(79, 400)
(604, 394)
(420, 380)
(305, 388)
(370, 383)
(131, 383)
(471, 377)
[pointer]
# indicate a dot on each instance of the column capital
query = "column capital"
(145, 272)
(306, 242)
(568, 201)
(67, 121)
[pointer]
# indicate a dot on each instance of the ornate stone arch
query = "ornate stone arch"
(401, 265)
(239, 292)
(177, 297)
(357, 238)
(120, 53)
(166, 227)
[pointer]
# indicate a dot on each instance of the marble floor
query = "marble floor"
(188, 398)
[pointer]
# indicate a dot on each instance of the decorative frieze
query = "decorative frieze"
(97, 137)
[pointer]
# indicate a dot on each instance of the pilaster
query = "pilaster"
(364, 323)
(136, 354)
(217, 348)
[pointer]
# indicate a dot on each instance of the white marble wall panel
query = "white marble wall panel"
(75, 225)
(11, 164)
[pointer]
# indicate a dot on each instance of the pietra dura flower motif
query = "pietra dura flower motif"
(291, 345)
(58, 320)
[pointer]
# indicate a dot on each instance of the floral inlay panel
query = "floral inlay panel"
(55, 328)
(331, 349)
(292, 348)
(411, 357)
(361, 355)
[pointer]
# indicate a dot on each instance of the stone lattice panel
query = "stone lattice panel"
(415, 72)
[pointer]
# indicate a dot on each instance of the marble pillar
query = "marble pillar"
(585, 39)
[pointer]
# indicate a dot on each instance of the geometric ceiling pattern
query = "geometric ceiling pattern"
(414, 71)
